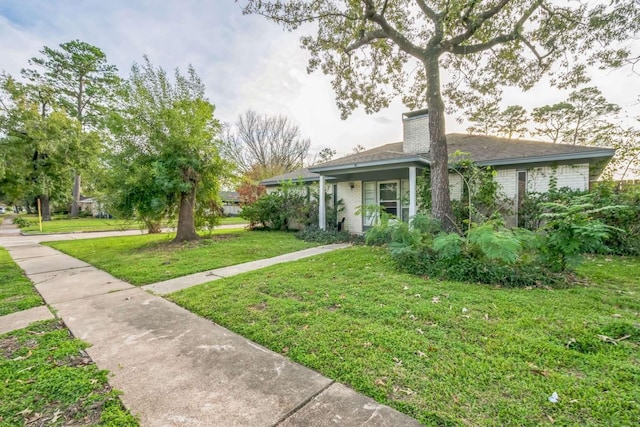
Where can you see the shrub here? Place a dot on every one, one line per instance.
(623, 234)
(21, 222)
(571, 229)
(325, 237)
(291, 206)
(488, 253)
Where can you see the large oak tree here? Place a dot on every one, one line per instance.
(376, 50)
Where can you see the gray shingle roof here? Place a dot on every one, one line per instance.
(301, 174)
(483, 149)
(490, 149)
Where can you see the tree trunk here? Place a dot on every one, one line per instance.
(440, 197)
(186, 224)
(75, 207)
(45, 208)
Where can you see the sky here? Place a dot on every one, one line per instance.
(245, 62)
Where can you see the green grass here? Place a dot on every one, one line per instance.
(233, 220)
(16, 290)
(153, 258)
(67, 225)
(447, 353)
(47, 379)
(63, 224)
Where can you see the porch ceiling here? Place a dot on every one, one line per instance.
(375, 175)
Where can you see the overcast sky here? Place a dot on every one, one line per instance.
(244, 61)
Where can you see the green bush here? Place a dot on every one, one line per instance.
(279, 209)
(623, 224)
(488, 253)
(21, 222)
(325, 237)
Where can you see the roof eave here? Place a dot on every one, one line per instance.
(600, 154)
(375, 163)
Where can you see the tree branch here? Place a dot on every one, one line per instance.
(366, 39)
(431, 14)
(390, 32)
(458, 49)
(474, 24)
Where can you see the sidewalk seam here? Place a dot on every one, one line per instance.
(302, 404)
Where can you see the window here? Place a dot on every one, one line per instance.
(389, 197)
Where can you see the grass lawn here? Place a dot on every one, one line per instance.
(447, 353)
(63, 224)
(16, 291)
(68, 225)
(148, 259)
(47, 379)
(233, 220)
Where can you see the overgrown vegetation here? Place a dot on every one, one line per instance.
(563, 225)
(48, 379)
(623, 237)
(292, 206)
(447, 353)
(325, 237)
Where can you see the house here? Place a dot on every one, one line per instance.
(230, 203)
(386, 175)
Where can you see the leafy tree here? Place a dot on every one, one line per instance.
(42, 146)
(376, 50)
(358, 149)
(512, 121)
(587, 116)
(551, 120)
(165, 151)
(582, 119)
(483, 116)
(265, 146)
(626, 162)
(82, 81)
(327, 154)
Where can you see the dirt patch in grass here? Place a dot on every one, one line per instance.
(49, 380)
(170, 245)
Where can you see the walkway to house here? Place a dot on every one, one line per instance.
(177, 369)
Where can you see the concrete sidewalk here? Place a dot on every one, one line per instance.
(177, 369)
(173, 285)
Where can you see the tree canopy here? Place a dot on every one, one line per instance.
(41, 146)
(82, 83)
(165, 149)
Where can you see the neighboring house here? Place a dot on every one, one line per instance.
(89, 204)
(230, 203)
(386, 175)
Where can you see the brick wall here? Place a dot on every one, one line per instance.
(575, 177)
(415, 132)
(351, 199)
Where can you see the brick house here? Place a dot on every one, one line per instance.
(386, 175)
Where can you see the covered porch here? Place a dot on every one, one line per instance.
(392, 188)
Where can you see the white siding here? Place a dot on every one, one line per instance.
(351, 199)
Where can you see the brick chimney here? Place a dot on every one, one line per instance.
(415, 132)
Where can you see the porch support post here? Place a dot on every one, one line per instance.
(322, 221)
(412, 192)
